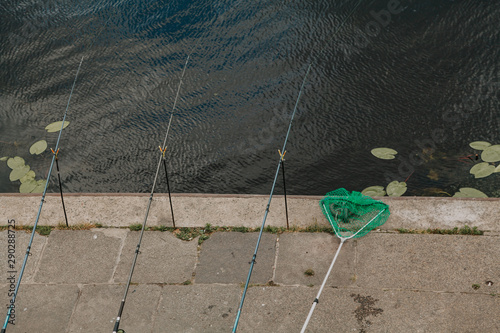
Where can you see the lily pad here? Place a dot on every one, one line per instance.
(15, 162)
(491, 154)
(468, 192)
(396, 189)
(384, 153)
(28, 187)
(374, 191)
(479, 145)
(40, 186)
(19, 173)
(482, 170)
(27, 177)
(38, 147)
(55, 127)
(5, 158)
(497, 169)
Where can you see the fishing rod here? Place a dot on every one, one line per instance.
(21, 272)
(116, 328)
(252, 263)
(54, 158)
(56, 153)
(163, 151)
(162, 148)
(282, 156)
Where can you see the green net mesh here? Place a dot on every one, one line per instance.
(353, 215)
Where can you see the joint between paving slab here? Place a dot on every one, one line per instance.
(196, 263)
(157, 309)
(39, 261)
(273, 276)
(118, 257)
(80, 287)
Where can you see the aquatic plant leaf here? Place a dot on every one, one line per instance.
(491, 154)
(27, 177)
(396, 189)
(479, 145)
(374, 191)
(482, 170)
(19, 172)
(5, 158)
(433, 175)
(55, 127)
(15, 162)
(38, 147)
(384, 153)
(497, 169)
(40, 186)
(469, 192)
(28, 187)
(434, 191)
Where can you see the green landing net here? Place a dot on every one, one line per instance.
(353, 215)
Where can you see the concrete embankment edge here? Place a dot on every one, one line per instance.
(196, 210)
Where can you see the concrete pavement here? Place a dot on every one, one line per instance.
(383, 282)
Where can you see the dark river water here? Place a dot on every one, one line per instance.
(420, 77)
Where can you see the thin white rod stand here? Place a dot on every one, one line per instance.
(315, 302)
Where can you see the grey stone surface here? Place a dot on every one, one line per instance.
(197, 308)
(163, 258)
(40, 308)
(407, 311)
(444, 213)
(80, 256)
(299, 252)
(428, 262)
(98, 307)
(285, 309)
(17, 248)
(225, 258)
(240, 210)
(382, 282)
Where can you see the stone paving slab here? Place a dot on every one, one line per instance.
(225, 257)
(406, 311)
(17, 247)
(98, 307)
(428, 262)
(401, 283)
(284, 309)
(80, 256)
(163, 258)
(197, 308)
(41, 308)
(299, 252)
